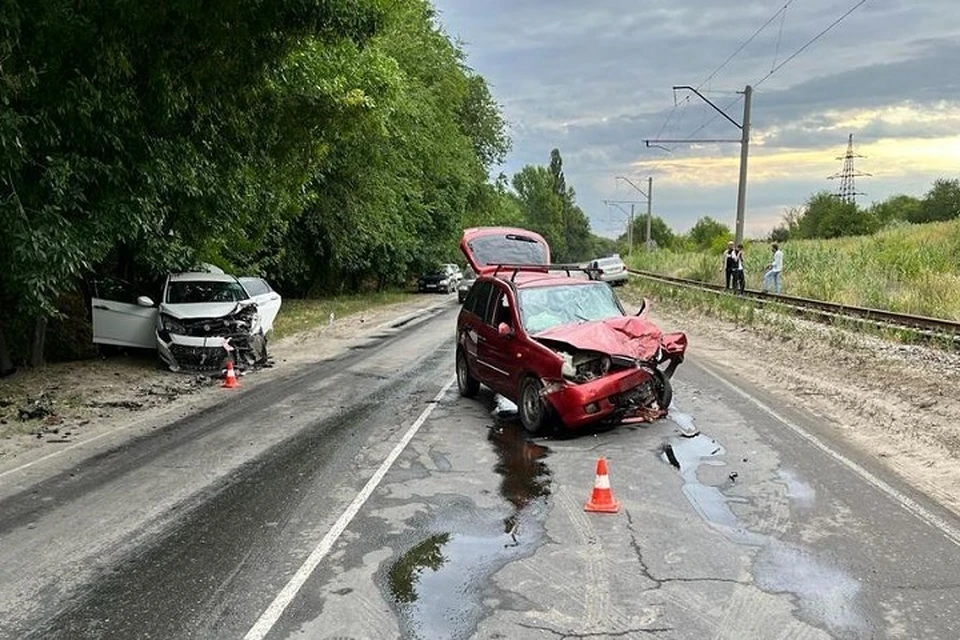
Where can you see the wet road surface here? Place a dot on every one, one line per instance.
(735, 522)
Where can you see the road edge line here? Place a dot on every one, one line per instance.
(271, 615)
(906, 502)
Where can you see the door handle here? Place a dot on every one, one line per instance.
(101, 306)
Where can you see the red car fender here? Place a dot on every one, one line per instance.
(674, 344)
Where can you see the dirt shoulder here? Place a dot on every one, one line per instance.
(895, 402)
(65, 404)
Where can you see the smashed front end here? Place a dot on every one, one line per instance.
(614, 371)
(205, 344)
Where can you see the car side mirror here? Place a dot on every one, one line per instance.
(145, 301)
(504, 330)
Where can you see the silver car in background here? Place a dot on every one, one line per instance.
(611, 270)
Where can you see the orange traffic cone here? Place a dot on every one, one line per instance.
(230, 380)
(601, 501)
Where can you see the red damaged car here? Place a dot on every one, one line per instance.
(555, 342)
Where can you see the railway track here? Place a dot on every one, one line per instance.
(830, 312)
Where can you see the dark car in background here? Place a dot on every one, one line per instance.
(443, 278)
(466, 283)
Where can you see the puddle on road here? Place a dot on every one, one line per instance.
(825, 593)
(437, 585)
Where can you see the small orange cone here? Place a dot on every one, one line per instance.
(230, 380)
(601, 501)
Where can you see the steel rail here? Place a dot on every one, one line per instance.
(935, 327)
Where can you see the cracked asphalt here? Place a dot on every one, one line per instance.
(192, 529)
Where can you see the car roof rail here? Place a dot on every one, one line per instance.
(540, 268)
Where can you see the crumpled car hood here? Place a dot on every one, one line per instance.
(203, 309)
(630, 336)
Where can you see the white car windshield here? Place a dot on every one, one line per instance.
(543, 308)
(197, 291)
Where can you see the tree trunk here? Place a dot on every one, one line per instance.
(39, 342)
(6, 364)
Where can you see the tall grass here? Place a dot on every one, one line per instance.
(906, 268)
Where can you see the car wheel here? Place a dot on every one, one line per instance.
(534, 412)
(664, 390)
(466, 383)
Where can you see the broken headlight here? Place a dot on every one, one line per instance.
(171, 324)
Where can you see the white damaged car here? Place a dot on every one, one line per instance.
(200, 319)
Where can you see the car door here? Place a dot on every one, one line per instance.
(118, 319)
(470, 324)
(268, 301)
(495, 351)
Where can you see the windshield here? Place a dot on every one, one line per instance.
(195, 291)
(543, 308)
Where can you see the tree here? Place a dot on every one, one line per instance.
(827, 216)
(661, 234)
(324, 144)
(706, 231)
(941, 202)
(899, 207)
(549, 208)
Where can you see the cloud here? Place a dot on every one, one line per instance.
(595, 80)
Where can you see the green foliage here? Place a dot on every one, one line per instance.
(827, 216)
(708, 234)
(661, 234)
(326, 145)
(942, 202)
(897, 208)
(906, 268)
(549, 208)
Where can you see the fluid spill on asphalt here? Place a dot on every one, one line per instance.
(437, 586)
(824, 593)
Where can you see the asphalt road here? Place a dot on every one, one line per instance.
(363, 498)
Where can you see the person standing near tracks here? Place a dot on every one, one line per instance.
(730, 264)
(739, 277)
(772, 276)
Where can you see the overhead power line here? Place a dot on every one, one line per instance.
(745, 43)
(810, 42)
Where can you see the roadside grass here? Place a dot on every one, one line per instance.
(904, 268)
(751, 312)
(300, 315)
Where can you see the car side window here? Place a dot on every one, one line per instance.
(500, 310)
(477, 299)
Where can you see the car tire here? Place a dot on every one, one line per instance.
(534, 410)
(664, 390)
(468, 385)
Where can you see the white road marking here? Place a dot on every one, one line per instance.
(270, 617)
(908, 503)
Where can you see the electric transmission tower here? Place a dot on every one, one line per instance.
(848, 190)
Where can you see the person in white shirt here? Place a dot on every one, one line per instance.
(772, 276)
(739, 277)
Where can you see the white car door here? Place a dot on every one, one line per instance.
(268, 301)
(124, 324)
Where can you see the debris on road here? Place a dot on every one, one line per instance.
(36, 408)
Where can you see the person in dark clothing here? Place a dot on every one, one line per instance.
(739, 277)
(730, 264)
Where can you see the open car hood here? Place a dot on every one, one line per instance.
(630, 336)
(204, 309)
(487, 247)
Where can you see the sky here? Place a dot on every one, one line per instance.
(594, 79)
